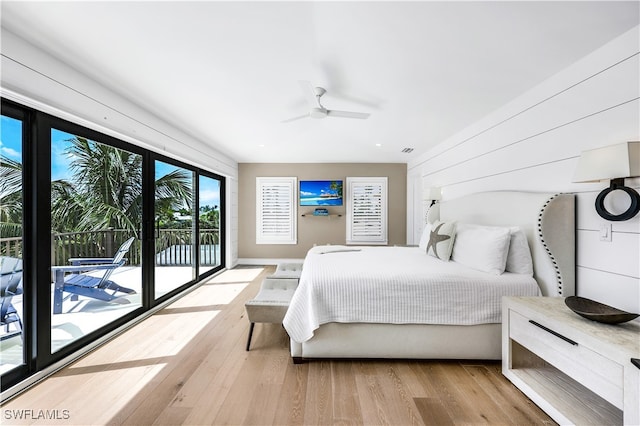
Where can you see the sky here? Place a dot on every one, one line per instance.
(11, 147)
(316, 187)
(11, 138)
(60, 162)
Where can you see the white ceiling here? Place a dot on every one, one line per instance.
(227, 72)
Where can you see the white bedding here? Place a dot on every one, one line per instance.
(397, 285)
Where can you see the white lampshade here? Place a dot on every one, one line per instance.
(610, 162)
(432, 193)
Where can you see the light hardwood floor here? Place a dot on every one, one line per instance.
(188, 365)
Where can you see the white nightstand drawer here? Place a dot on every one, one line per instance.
(602, 375)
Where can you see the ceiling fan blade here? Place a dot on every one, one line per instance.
(309, 93)
(289, 120)
(347, 114)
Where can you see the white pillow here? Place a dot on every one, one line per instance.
(424, 239)
(519, 258)
(480, 247)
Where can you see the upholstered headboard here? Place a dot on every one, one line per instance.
(547, 219)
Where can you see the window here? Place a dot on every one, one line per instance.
(276, 210)
(366, 210)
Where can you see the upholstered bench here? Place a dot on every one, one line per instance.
(288, 270)
(271, 303)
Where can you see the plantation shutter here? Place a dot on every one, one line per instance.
(276, 210)
(366, 210)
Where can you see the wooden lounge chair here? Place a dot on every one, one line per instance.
(97, 287)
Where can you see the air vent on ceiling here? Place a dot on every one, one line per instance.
(407, 150)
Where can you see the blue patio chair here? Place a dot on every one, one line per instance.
(97, 287)
(10, 286)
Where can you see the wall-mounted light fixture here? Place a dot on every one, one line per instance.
(432, 193)
(614, 162)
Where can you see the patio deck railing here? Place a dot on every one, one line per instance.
(173, 246)
(11, 247)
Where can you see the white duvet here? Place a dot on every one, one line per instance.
(397, 285)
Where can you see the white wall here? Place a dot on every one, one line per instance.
(233, 221)
(533, 144)
(34, 78)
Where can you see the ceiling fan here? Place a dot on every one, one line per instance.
(313, 95)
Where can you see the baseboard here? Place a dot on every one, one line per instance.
(264, 261)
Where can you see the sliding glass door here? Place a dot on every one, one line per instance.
(96, 220)
(175, 260)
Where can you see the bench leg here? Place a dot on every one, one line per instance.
(250, 334)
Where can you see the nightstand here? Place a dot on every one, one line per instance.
(578, 371)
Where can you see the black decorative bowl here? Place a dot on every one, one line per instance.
(596, 311)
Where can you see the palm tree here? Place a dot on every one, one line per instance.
(173, 192)
(336, 186)
(10, 197)
(106, 189)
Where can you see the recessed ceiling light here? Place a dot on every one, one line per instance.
(378, 145)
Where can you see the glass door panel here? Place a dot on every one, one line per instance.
(209, 217)
(96, 217)
(174, 227)
(11, 226)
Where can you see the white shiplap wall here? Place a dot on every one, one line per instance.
(533, 144)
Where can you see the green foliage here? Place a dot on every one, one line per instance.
(336, 186)
(106, 190)
(10, 229)
(173, 194)
(10, 197)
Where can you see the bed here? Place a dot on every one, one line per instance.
(347, 303)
